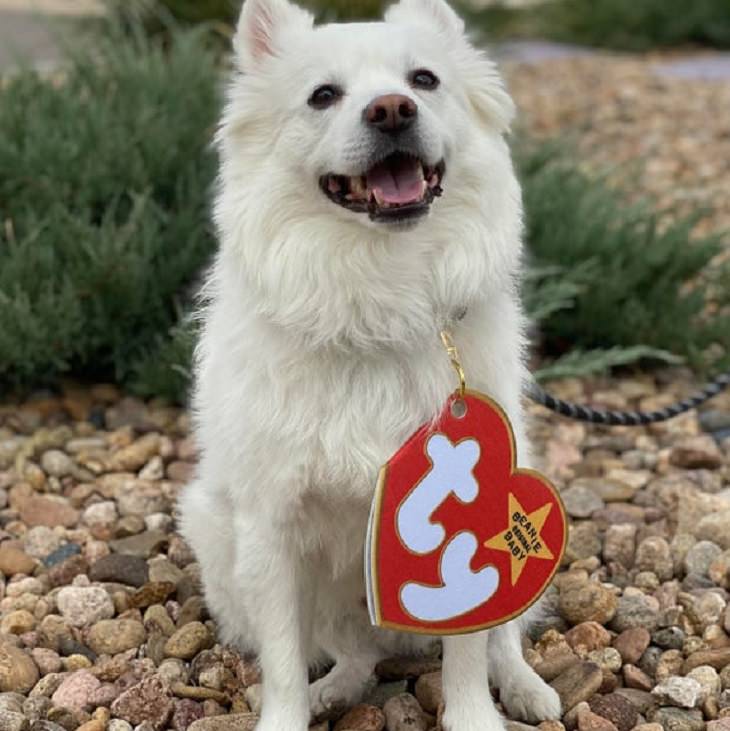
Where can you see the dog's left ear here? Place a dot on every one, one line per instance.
(437, 14)
(259, 27)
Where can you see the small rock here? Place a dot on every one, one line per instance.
(17, 623)
(709, 680)
(47, 660)
(18, 672)
(121, 569)
(589, 721)
(589, 635)
(41, 541)
(635, 609)
(57, 463)
(362, 718)
(403, 713)
(62, 574)
(583, 542)
(232, 722)
(14, 561)
(717, 659)
(48, 512)
(188, 641)
(591, 602)
(653, 554)
(616, 709)
(581, 501)
(636, 678)
(12, 720)
(103, 513)
(669, 638)
(148, 701)
(632, 644)
(620, 544)
(429, 692)
(715, 528)
(76, 690)
(61, 554)
(185, 713)
(700, 556)
(84, 605)
(112, 636)
(680, 692)
(678, 719)
(578, 683)
(694, 453)
(142, 545)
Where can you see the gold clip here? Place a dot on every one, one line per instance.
(453, 353)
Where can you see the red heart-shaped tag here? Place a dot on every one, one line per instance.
(459, 538)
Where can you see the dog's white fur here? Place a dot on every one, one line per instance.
(320, 353)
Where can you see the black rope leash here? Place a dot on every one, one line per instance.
(580, 412)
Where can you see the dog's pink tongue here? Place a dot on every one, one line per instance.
(397, 182)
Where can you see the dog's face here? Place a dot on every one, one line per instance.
(371, 121)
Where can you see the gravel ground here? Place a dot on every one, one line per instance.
(665, 117)
(102, 624)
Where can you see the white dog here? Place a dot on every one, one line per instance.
(340, 262)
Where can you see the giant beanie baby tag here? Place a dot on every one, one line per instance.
(459, 538)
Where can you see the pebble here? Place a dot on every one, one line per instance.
(429, 692)
(61, 554)
(715, 528)
(188, 641)
(112, 636)
(632, 644)
(589, 721)
(76, 690)
(48, 512)
(581, 502)
(14, 561)
(588, 635)
(149, 701)
(142, 545)
(403, 713)
(57, 463)
(578, 683)
(591, 602)
(232, 722)
(84, 605)
(678, 691)
(678, 719)
(693, 453)
(653, 554)
(635, 609)
(700, 556)
(121, 569)
(616, 709)
(362, 718)
(620, 544)
(18, 672)
(41, 541)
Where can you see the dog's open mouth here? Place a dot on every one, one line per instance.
(401, 186)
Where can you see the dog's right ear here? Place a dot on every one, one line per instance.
(259, 27)
(438, 14)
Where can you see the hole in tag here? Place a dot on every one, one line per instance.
(458, 408)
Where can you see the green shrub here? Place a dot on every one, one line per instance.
(105, 177)
(105, 182)
(621, 24)
(608, 274)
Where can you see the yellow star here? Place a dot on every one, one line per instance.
(522, 539)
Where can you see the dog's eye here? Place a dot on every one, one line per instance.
(325, 96)
(424, 79)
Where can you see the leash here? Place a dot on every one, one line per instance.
(580, 412)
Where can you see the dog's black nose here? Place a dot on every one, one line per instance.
(391, 113)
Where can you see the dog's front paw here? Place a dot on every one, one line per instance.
(480, 716)
(333, 694)
(531, 699)
(281, 722)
